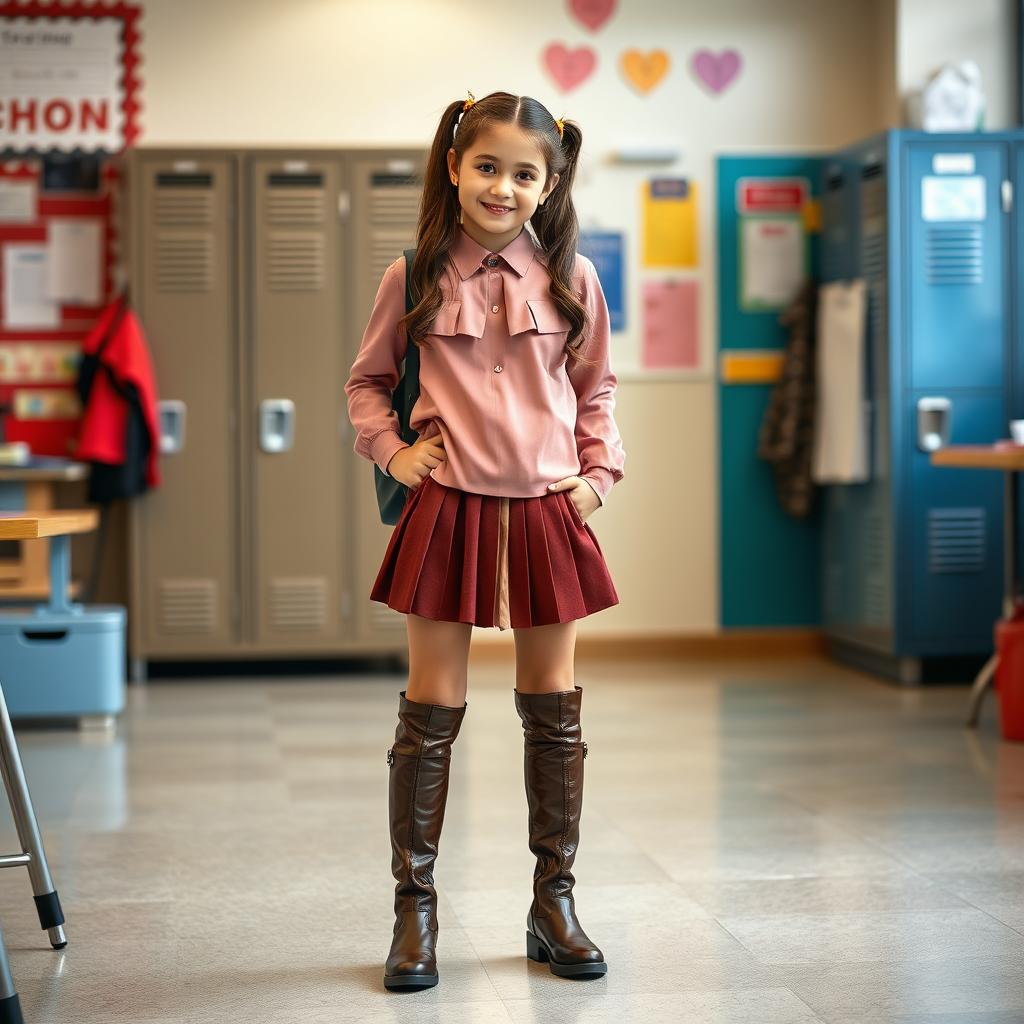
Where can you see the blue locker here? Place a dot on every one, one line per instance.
(913, 557)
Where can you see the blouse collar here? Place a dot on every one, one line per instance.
(468, 255)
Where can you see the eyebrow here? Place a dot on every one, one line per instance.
(488, 156)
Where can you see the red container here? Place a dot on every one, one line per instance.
(1009, 679)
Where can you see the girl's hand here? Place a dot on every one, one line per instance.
(581, 494)
(412, 464)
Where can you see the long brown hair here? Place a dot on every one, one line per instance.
(555, 223)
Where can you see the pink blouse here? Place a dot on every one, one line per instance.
(494, 380)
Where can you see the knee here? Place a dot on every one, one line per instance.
(436, 688)
(544, 682)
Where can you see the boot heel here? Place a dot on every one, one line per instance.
(534, 949)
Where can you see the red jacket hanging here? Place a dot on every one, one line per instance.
(119, 425)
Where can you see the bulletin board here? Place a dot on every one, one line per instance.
(58, 192)
(38, 364)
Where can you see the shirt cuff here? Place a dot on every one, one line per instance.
(600, 479)
(385, 444)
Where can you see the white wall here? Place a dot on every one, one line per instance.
(317, 72)
(931, 32)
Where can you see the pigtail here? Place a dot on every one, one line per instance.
(558, 231)
(437, 225)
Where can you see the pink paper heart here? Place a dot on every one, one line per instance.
(716, 71)
(592, 13)
(569, 67)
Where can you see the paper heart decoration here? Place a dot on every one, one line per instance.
(644, 70)
(592, 13)
(569, 67)
(716, 71)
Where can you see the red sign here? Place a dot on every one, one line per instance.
(771, 195)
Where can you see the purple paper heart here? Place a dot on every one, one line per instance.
(716, 71)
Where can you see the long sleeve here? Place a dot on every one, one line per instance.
(598, 443)
(374, 374)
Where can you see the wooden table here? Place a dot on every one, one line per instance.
(32, 487)
(58, 525)
(1009, 458)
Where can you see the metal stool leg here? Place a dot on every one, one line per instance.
(51, 917)
(10, 1007)
(982, 681)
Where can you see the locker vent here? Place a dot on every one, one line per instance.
(187, 606)
(836, 230)
(872, 255)
(184, 262)
(394, 207)
(296, 261)
(953, 254)
(188, 179)
(288, 206)
(956, 540)
(279, 179)
(298, 604)
(174, 209)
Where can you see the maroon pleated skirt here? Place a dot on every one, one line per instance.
(456, 556)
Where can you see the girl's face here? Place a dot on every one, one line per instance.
(501, 182)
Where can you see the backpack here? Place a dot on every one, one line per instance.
(392, 494)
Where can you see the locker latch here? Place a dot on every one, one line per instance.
(1007, 193)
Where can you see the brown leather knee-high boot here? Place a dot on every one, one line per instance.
(553, 767)
(417, 791)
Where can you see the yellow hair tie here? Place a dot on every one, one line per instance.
(469, 102)
(560, 125)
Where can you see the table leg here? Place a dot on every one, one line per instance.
(60, 573)
(981, 683)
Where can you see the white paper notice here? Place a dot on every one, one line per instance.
(26, 303)
(772, 260)
(953, 198)
(17, 202)
(75, 260)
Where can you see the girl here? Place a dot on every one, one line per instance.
(517, 447)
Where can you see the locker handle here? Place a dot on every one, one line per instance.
(171, 414)
(934, 422)
(277, 425)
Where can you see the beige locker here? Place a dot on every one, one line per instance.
(295, 355)
(185, 543)
(254, 272)
(385, 200)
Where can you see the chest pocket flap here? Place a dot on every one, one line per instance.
(458, 317)
(547, 317)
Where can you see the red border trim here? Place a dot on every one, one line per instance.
(129, 14)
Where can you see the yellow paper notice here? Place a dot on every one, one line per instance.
(670, 222)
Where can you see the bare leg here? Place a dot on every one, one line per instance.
(438, 658)
(544, 658)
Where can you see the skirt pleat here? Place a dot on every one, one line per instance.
(493, 561)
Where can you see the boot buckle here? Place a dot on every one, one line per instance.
(391, 757)
(584, 750)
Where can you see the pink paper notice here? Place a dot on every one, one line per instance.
(671, 325)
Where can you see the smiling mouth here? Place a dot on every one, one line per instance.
(497, 209)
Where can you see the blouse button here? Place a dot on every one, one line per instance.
(492, 261)
(494, 309)
(497, 369)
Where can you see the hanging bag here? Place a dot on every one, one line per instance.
(391, 493)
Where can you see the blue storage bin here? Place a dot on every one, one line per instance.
(63, 664)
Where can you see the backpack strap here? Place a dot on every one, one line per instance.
(410, 378)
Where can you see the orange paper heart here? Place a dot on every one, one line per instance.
(644, 70)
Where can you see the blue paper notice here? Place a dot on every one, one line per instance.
(604, 248)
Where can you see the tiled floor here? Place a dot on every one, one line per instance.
(773, 844)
